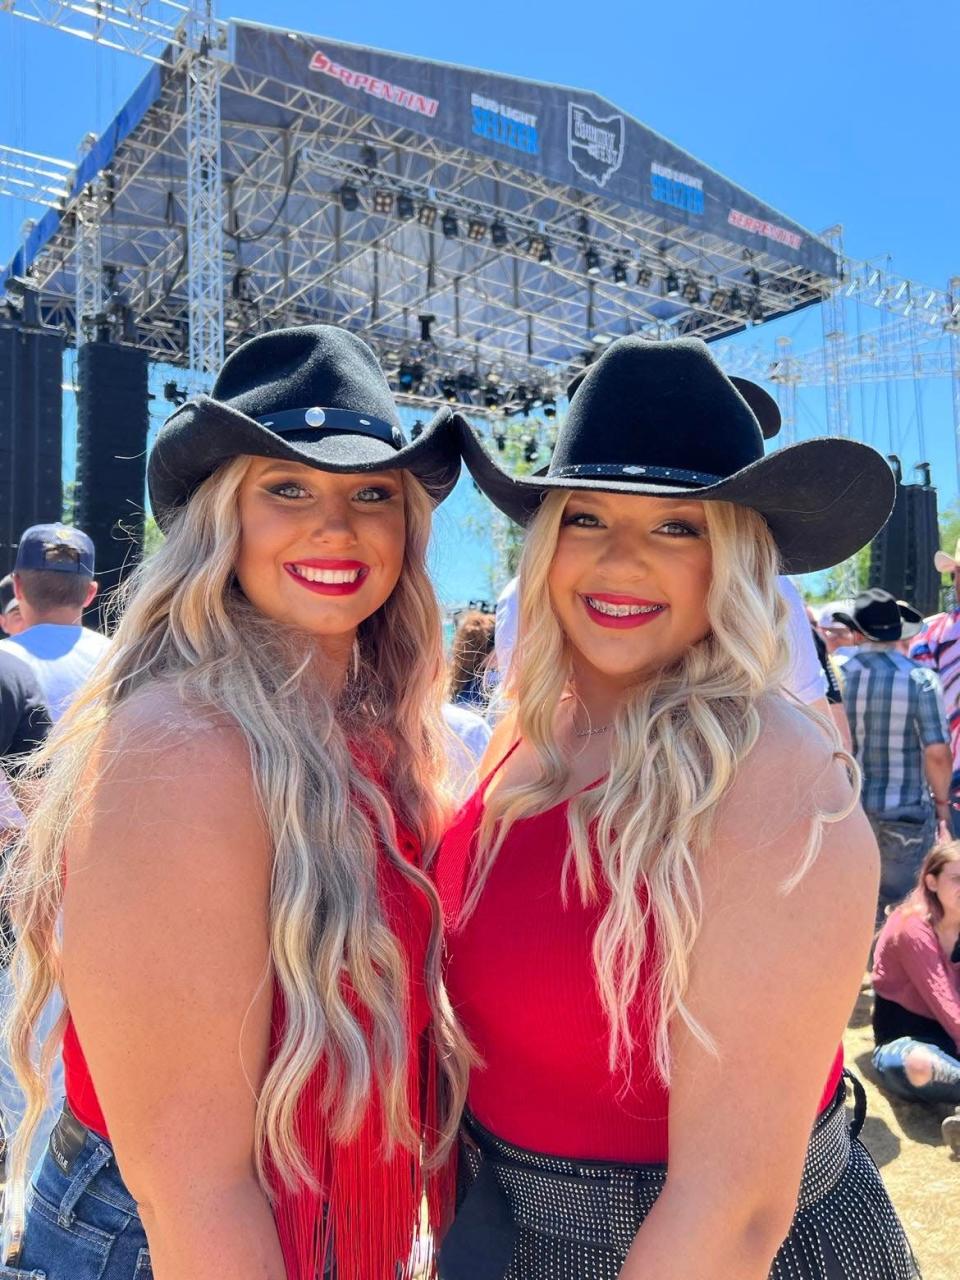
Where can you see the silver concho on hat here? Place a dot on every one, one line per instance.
(314, 417)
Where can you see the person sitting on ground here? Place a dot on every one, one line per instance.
(54, 583)
(11, 619)
(900, 741)
(916, 983)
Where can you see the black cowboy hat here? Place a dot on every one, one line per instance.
(662, 419)
(879, 616)
(313, 394)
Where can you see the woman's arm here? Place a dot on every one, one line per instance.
(167, 976)
(921, 961)
(773, 980)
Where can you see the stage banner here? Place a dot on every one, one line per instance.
(566, 135)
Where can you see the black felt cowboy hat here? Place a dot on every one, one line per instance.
(879, 616)
(662, 419)
(314, 394)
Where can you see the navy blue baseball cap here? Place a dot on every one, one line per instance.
(59, 547)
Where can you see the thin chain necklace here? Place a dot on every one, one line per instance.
(590, 733)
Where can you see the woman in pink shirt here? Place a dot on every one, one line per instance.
(916, 981)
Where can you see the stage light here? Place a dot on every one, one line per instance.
(448, 388)
(491, 395)
(368, 157)
(349, 197)
(382, 201)
(538, 247)
(644, 276)
(405, 205)
(427, 215)
(416, 431)
(718, 299)
(753, 277)
(591, 261)
(671, 284)
(498, 233)
(756, 311)
(549, 407)
(736, 301)
(405, 376)
(449, 226)
(476, 229)
(619, 271)
(425, 323)
(467, 382)
(530, 450)
(691, 290)
(500, 438)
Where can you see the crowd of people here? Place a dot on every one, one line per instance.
(311, 926)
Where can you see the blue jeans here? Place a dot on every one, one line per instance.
(888, 1060)
(903, 843)
(81, 1224)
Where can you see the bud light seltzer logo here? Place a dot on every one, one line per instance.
(594, 146)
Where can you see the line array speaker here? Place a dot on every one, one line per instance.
(31, 432)
(112, 421)
(901, 555)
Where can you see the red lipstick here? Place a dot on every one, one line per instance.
(348, 588)
(622, 622)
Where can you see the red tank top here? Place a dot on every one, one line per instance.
(366, 1212)
(520, 974)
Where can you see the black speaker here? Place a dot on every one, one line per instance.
(112, 421)
(31, 404)
(901, 555)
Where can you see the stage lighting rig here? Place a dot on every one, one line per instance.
(476, 229)
(498, 233)
(531, 451)
(671, 283)
(619, 271)
(644, 276)
(383, 201)
(174, 394)
(718, 297)
(538, 247)
(691, 290)
(448, 389)
(449, 225)
(753, 277)
(491, 395)
(426, 322)
(427, 215)
(591, 261)
(349, 197)
(549, 407)
(757, 315)
(736, 301)
(416, 431)
(406, 207)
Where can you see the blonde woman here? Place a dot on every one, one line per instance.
(233, 822)
(660, 901)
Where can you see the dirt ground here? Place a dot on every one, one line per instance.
(921, 1174)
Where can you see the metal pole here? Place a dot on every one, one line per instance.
(89, 265)
(954, 330)
(834, 336)
(204, 195)
(786, 381)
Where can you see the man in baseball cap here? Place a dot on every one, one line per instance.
(53, 582)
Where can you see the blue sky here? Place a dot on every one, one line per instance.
(831, 112)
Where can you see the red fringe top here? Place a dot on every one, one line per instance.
(366, 1217)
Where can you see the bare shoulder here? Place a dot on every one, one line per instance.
(788, 780)
(166, 771)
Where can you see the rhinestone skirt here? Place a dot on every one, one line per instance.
(576, 1221)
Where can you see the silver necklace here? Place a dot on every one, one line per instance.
(590, 733)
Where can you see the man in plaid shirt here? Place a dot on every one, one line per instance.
(900, 740)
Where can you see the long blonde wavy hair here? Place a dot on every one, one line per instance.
(679, 740)
(185, 623)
